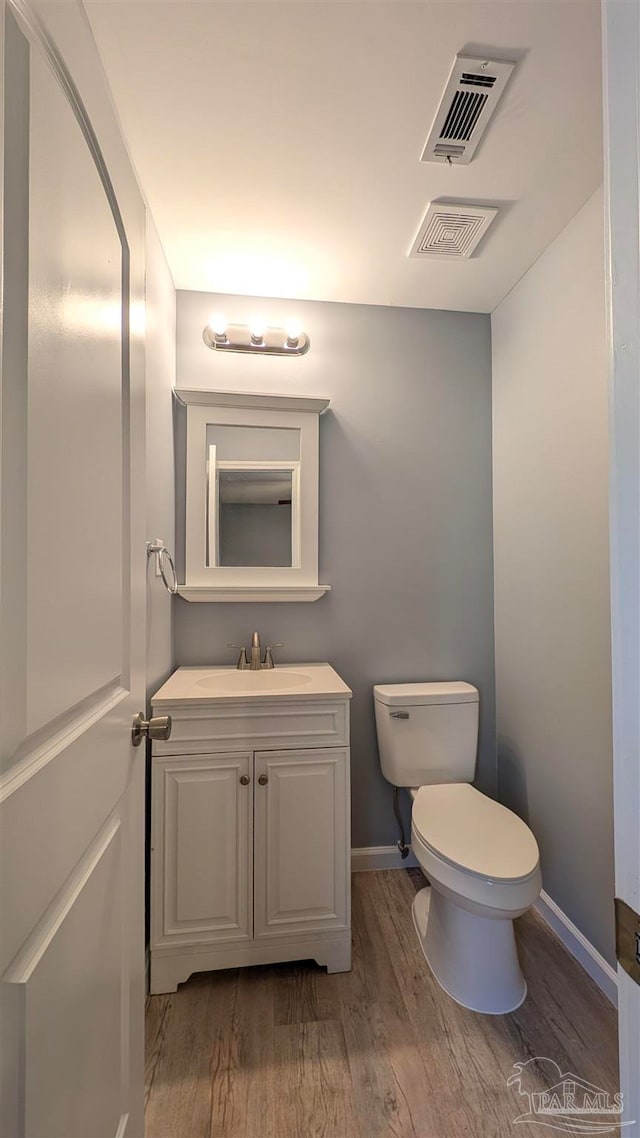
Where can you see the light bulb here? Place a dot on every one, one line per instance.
(257, 328)
(293, 329)
(218, 325)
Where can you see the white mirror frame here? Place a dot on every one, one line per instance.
(251, 583)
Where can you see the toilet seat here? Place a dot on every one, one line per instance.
(473, 833)
(483, 895)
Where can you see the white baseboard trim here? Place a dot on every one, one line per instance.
(579, 947)
(380, 857)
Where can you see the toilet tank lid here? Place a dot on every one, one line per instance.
(413, 695)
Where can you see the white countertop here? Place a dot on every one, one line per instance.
(297, 682)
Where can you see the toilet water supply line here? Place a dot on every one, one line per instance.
(401, 844)
(158, 549)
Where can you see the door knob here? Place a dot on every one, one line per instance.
(157, 728)
(263, 779)
(244, 780)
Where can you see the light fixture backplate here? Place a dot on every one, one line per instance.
(274, 342)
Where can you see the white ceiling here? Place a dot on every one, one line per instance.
(278, 144)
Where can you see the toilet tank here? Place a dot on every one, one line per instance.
(427, 733)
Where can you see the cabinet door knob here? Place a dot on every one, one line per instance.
(263, 779)
(244, 780)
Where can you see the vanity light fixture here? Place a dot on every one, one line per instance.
(256, 337)
(257, 329)
(218, 327)
(293, 328)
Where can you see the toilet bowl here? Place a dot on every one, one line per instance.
(480, 858)
(483, 867)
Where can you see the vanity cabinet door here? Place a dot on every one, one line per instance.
(201, 855)
(301, 878)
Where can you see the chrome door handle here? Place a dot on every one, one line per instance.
(399, 714)
(157, 728)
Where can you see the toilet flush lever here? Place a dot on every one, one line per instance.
(399, 714)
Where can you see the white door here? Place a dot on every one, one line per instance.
(71, 614)
(202, 849)
(621, 58)
(301, 841)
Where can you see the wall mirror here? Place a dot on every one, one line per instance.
(253, 514)
(251, 490)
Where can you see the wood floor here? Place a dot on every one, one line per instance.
(287, 1051)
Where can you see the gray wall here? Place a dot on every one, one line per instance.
(553, 671)
(405, 510)
(160, 370)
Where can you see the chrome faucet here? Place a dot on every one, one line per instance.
(256, 664)
(242, 658)
(268, 658)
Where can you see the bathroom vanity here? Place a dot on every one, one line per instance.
(250, 842)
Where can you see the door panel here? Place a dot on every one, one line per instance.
(75, 415)
(71, 606)
(202, 848)
(52, 806)
(68, 972)
(300, 840)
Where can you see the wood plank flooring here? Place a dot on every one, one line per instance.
(287, 1051)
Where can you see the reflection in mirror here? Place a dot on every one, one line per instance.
(254, 517)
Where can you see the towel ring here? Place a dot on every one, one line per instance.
(159, 550)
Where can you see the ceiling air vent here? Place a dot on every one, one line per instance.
(451, 231)
(470, 98)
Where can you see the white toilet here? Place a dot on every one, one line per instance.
(481, 859)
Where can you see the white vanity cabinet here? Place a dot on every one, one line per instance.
(300, 851)
(202, 827)
(250, 834)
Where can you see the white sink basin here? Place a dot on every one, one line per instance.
(253, 683)
(231, 685)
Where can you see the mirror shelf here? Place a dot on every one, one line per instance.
(200, 397)
(242, 595)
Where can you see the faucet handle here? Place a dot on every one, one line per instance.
(242, 659)
(268, 658)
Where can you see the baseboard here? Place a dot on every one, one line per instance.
(380, 857)
(579, 947)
